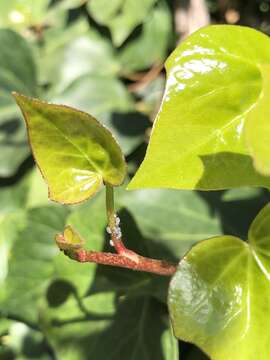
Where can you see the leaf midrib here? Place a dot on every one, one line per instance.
(79, 150)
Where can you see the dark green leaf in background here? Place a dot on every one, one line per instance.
(130, 329)
(120, 16)
(17, 73)
(152, 45)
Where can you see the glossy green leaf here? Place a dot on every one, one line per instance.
(120, 16)
(17, 73)
(218, 298)
(258, 129)
(135, 329)
(73, 151)
(214, 80)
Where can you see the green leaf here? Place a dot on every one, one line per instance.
(35, 264)
(26, 342)
(52, 55)
(155, 223)
(171, 221)
(120, 16)
(151, 46)
(135, 329)
(257, 129)
(128, 127)
(214, 80)
(74, 160)
(218, 298)
(17, 73)
(79, 52)
(98, 95)
(69, 240)
(10, 225)
(31, 265)
(37, 193)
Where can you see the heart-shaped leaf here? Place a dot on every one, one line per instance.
(219, 296)
(214, 80)
(74, 152)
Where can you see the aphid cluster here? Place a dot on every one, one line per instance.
(116, 231)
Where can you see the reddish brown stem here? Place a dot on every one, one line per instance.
(140, 264)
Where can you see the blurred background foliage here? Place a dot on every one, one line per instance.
(106, 58)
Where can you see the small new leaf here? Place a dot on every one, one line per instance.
(74, 152)
(69, 240)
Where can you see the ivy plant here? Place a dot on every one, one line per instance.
(211, 133)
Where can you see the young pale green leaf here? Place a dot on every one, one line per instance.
(214, 81)
(218, 298)
(74, 152)
(69, 240)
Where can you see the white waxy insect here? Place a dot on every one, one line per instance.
(108, 230)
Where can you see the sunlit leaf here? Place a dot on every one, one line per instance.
(258, 128)
(213, 82)
(73, 151)
(218, 298)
